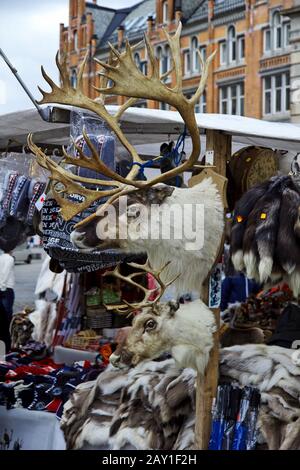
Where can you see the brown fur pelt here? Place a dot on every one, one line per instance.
(21, 329)
(261, 311)
(232, 336)
(151, 406)
(265, 238)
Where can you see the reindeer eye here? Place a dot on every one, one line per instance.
(150, 325)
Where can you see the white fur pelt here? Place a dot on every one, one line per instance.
(152, 405)
(193, 265)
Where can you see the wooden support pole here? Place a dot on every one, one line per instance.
(220, 144)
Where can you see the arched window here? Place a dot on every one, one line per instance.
(75, 40)
(167, 60)
(137, 60)
(232, 43)
(73, 78)
(159, 53)
(277, 30)
(165, 11)
(195, 56)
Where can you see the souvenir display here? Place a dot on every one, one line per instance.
(19, 194)
(120, 359)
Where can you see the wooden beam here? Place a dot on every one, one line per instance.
(206, 390)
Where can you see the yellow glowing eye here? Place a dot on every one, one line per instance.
(248, 159)
(263, 215)
(239, 218)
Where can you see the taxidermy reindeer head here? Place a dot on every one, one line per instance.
(127, 80)
(184, 330)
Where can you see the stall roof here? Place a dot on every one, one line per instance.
(157, 124)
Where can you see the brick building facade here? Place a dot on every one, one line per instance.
(250, 74)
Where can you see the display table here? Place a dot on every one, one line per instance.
(30, 430)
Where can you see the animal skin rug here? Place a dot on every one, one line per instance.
(152, 405)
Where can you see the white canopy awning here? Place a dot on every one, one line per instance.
(158, 126)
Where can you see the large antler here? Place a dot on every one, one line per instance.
(128, 81)
(126, 307)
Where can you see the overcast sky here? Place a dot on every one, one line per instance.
(29, 36)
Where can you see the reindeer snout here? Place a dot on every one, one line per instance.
(114, 359)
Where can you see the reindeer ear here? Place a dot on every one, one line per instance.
(174, 306)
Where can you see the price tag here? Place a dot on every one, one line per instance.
(209, 157)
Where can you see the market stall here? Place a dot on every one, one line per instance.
(70, 236)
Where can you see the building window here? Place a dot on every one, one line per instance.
(195, 56)
(187, 62)
(267, 39)
(232, 44)
(233, 49)
(144, 67)
(164, 106)
(286, 33)
(73, 79)
(137, 60)
(232, 99)
(200, 107)
(165, 11)
(276, 37)
(241, 47)
(223, 53)
(276, 89)
(202, 50)
(159, 53)
(277, 27)
(167, 60)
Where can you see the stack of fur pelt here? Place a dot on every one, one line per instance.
(152, 405)
(265, 238)
(148, 407)
(275, 371)
(261, 311)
